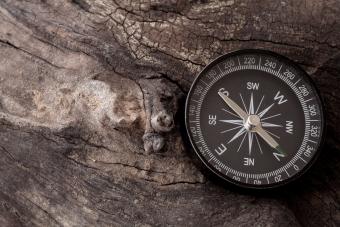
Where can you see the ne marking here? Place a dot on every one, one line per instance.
(279, 69)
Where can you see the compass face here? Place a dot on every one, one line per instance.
(255, 119)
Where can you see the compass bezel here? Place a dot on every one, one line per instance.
(304, 75)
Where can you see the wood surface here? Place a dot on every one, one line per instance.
(92, 99)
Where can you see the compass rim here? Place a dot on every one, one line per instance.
(317, 94)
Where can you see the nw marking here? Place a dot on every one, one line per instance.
(289, 127)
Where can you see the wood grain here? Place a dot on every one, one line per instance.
(92, 106)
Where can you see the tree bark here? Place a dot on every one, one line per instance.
(92, 106)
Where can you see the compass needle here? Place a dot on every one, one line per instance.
(230, 112)
(254, 119)
(236, 108)
(273, 134)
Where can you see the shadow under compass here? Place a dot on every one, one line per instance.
(315, 197)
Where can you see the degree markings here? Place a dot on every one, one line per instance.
(311, 141)
(297, 92)
(204, 82)
(287, 173)
(302, 159)
(218, 66)
(297, 82)
(202, 99)
(303, 103)
(260, 62)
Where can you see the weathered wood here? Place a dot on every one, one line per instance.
(91, 96)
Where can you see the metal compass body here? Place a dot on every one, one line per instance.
(255, 118)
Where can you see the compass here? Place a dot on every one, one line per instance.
(255, 119)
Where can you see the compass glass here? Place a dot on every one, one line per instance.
(255, 118)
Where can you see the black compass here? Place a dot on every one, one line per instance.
(255, 119)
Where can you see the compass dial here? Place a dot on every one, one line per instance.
(255, 118)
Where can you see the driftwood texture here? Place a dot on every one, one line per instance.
(91, 104)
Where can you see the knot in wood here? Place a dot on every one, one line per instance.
(162, 121)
